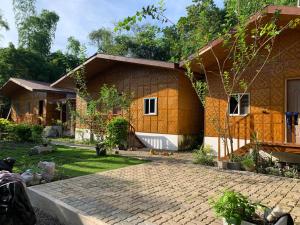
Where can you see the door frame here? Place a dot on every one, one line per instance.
(285, 103)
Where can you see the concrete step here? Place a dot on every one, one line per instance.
(66, 214)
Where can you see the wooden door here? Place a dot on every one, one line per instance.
(293, 105)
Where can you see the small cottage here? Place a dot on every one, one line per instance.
(37, 102)
(166, 112)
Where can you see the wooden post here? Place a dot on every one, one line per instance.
(245, 129)
(293, 129)
(238, 135)
(272, 128)
(219, 148)
(263, 127)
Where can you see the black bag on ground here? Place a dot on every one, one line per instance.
(15, 206)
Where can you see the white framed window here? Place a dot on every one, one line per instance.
(239, 104)
(150, 106)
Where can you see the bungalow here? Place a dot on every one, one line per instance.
(274, 94)
(166, 112)
(36, 102)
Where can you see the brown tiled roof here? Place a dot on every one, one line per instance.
(31, 85)
(104, 59)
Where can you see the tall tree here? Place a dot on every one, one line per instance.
(37, 32)
(103, 39)
(23, 9)
(73, 46)
(22, 63)
(3, 22)
(240, 10)
(203, 23)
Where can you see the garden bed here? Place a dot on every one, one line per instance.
(70, 162)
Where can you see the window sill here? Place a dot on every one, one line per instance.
(238, 115)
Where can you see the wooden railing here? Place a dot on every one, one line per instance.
(270, 128)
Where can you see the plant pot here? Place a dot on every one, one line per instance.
(281, 165)
(223, 165)
(100, 151)
(249, 168)
(234, 165)
(243, 223)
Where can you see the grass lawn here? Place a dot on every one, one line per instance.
(70, 162)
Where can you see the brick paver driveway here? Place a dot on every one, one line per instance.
(168, 192)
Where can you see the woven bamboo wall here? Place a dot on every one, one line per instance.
(28, 106)
(143, 82)
(267, 94)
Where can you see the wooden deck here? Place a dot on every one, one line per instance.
(270, 129)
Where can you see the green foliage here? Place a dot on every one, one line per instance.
(36, 133)
(37, 32)
(3, 23)
(204, 156)
(26, 64)
(22, 132)
(236, 158)
(74, 46)
(99, 108)
(4, 125)
(234, 207)
(291, 173)
(23, 9)
(117, 132)
(248, 162)
(145, 41)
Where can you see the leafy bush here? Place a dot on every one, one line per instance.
(204, 156)
(36, 133)
(234, 207)
(22, 132)
(248, 162)
(117, 132)
(4, 125)
(236, 158)
(25, 132)
(291, 173)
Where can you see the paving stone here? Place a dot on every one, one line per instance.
(169, 190)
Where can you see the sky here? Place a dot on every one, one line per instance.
(79, 17)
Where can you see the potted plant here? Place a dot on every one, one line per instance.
(248, 163)
(222, 164)
(234, 208)
(101, 148)
(235, 162)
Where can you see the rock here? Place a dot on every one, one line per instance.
(48, 170)
(31, 178)
(52, 131)
(36, 150)
(27, 177)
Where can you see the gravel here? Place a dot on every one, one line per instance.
(45, 219)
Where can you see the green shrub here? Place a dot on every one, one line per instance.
(204, 156)
(234, 207)
(117, 132)
(4, 125)
(22, 132)
(36, 133)
(248, 163)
